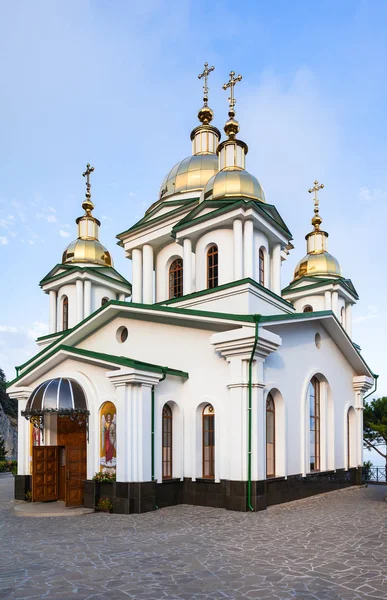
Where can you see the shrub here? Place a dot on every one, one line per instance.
(28, 496)
(367, 464)
(104, 477)
(8, 466)
(104, 504)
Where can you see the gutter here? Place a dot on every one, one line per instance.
(376, 377)
(249, 505)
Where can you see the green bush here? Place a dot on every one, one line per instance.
(104, 477)
(104, 504)
(8, 466)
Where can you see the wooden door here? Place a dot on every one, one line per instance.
(75, 474)
(44, 473)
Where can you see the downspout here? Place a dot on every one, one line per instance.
(153, 428)
(249, 505)
(376, 377)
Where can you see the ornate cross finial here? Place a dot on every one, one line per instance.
(88, 205)
(231, 84)
(205, 74)
(317, 220)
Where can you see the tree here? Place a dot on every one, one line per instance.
(375, 426)
(9, 404)
(3, 452)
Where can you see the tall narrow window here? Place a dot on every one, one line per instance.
(308, 308)
(314, 413)
(167, 442)
(261, 267)
(176, 279)
(65, 313)
(270, 436)
(104, 301)
(342, 316)
(209, 442)
(212, 267)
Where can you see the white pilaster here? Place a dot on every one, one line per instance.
(122, 297)
(137, 275)
(248, 247)
(238, 249)
(187, 267)
(87, 298)
(360, 385)
(123, 437)
(147, 258)
(23, 427)
(79, 288)
(348, 319)
(276, 269)
(53, 311)
(335, 304)
(328, 300)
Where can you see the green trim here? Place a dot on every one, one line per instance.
(53, 335)
(111, 358)
(346, 283)
(225, 286)
(92, 270)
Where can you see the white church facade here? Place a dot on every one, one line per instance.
(204, 381)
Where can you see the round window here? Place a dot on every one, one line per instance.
(122, 334)
(317, 340)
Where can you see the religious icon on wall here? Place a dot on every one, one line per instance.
(108, 438)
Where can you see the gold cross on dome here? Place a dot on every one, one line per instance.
(231, 84)
(87, 174)
(317, 186)
(205, 74)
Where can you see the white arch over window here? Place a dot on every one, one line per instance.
(326, 425)
(280, 431)
(164, 259)
(199, 439)
(177, 436)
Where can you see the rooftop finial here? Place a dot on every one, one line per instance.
(231, 84)
(87, 204)
(205, 74)
(317, 220)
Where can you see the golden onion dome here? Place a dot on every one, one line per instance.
(190, 174)
(319, 265)
(87, 251)
(233, 183)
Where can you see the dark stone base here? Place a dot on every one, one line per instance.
(130, 498)
(23, 484)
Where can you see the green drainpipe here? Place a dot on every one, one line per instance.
(249, 505)
(153, 427)
(376, 377)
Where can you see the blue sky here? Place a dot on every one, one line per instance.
(115, 84)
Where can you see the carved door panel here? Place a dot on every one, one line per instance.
(75, 474)
(44, 473)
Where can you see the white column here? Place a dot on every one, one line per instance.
(87, 298)
(137, 275)
(348, 319)
(122, 297)
(328, 300)
(53, 311)
(79, 288)
(335, 303)
(147, 264)
(187, 267)
(238, 249)
(123, 433)
(23, 438)
(248, 249)
(276, 269)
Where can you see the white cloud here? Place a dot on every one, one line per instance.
(3, 240)
(63, 233)
(367, 194)
(8, 329)
(38, 329)
(51, 219)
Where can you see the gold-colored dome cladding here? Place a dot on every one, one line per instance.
(319, 264)
(233, 183)
(205, 115)
(192, 173)
(87, 251)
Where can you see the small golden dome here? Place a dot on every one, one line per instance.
(318, 264)
(205, 115)
(231, 183)
(87, 251)
(190, 174)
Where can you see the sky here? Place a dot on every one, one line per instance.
(114, 83)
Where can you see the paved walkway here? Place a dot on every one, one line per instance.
(330, 547)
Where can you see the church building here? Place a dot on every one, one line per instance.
(205, 380)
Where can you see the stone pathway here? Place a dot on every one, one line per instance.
(330, 547)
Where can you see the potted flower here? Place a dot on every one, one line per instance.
(104, 505)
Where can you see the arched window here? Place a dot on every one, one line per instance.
(212, 267)
(167, 442)
(308, 308)
(65, 313)
(270, 436)
(342, 316)
(261, 267)
(314, 413)
(176, 279)
(209, 442)
(104, 301)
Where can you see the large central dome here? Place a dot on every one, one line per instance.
(190, 174)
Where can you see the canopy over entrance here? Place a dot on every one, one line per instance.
(61, 396)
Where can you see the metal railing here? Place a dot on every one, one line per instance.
(375, 474)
